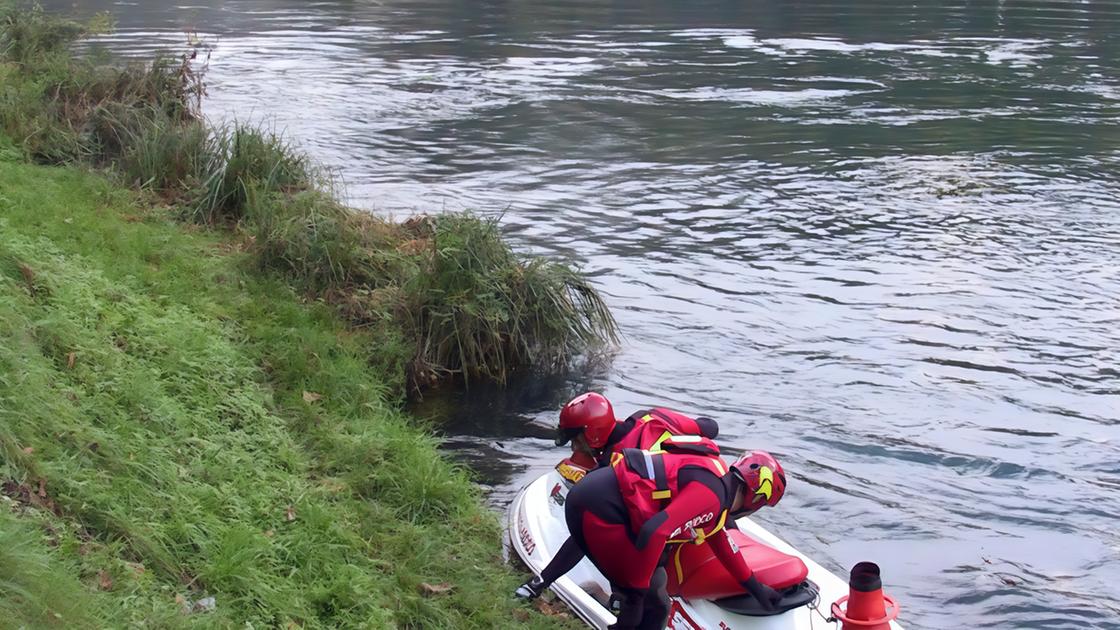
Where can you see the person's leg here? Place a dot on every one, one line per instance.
(655, 606)
(628, 616)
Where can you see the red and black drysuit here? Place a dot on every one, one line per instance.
(644, 430)
(625, 518)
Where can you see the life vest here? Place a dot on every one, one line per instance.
(575, 467)
(654, 426)
(647, 480)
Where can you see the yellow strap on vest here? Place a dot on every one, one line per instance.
(647, 418)
(571, 473)
(616, 457)
(677, 563)
(718, 463)
(701, 535)
(656, 448)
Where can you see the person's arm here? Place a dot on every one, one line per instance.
(727, 552)
(707, 427)
(566, 558)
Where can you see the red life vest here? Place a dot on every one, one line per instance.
(654, 426)
(647, 480)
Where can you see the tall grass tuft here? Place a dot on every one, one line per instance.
(28, 34)
(246, 160)
(167, 157)
(478, 309)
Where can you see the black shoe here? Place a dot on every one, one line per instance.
(530, 590)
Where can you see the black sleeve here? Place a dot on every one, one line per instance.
(566, 558)
(708, 428)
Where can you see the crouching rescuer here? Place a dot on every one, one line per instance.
(588, 422)
(627, 518)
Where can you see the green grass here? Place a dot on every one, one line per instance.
(39, 586)
(157, 444)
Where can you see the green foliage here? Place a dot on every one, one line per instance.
(166, 156)
(308, 236)
(38, 587)
(27, 34)
(183, 427)
(60, 108)
(8, 151)
(246, 160)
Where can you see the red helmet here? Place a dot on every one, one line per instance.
(590, 414)
(764, 479)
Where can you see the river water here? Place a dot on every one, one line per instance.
(880, 239)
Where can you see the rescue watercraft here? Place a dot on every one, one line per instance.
(703, 595)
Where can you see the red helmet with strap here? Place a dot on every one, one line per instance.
(590, 414)
(763, 477)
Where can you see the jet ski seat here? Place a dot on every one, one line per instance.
(694, 571)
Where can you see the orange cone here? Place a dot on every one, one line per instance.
(867, 607)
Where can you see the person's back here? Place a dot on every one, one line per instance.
(649, 428)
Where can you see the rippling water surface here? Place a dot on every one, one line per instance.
(880, 239)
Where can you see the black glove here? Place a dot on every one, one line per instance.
(531, 589)
(767, 597)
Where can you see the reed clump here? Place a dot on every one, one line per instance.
(469, 305)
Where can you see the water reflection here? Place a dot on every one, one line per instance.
(878, 239)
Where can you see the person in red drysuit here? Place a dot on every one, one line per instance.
(588, 421)
(624, 518)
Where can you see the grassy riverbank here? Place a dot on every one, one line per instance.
(175, 425)
(202, 357)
